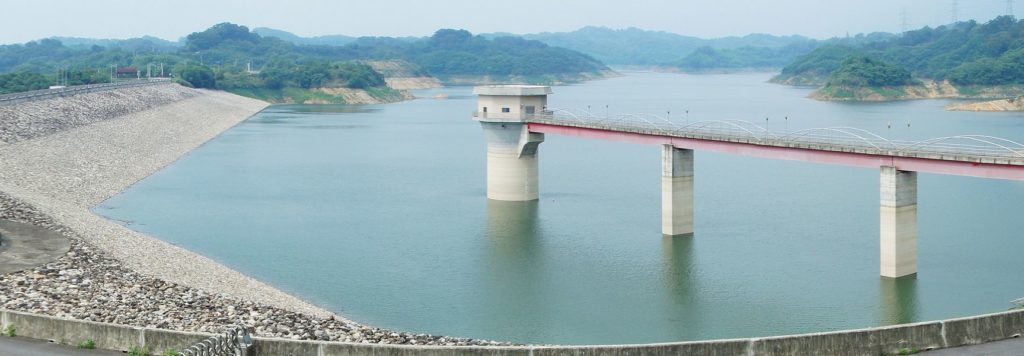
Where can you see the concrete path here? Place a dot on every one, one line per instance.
(19, 346)
(1007, 347)
(24, 246)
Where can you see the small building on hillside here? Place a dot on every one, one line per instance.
(128, 72)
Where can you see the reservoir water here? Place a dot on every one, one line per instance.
(379, 213)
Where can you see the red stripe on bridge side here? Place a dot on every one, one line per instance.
(982, 170)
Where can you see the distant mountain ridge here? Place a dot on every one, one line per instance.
(148, 43)
(634, 46)
(630, 46)
(326, 40)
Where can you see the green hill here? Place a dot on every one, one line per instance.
(220, 56)
(329, 40)
(965, 54)
(633, 46)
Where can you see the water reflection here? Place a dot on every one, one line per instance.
(320, 109)
(515, 268)
(512, 226)
(899, 300)
(680, 277)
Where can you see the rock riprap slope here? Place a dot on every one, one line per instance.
(59, 159)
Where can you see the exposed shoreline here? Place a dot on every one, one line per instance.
(55, 178)
(1002, 105)
(925, 89)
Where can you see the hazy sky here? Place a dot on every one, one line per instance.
(171, 19)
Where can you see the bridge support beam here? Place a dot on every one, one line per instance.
(512, 173)
(898, 222)
(676, 191)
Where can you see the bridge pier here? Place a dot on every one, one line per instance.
(502, 110)
(676, 191)
(898, 222)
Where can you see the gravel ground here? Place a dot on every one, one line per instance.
(114, 274)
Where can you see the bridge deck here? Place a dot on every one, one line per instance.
(984, 156)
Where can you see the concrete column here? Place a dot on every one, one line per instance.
(676, 191)
(898, 222)
(512, 173)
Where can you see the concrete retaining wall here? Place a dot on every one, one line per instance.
(889, 340)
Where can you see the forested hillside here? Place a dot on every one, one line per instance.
(965, 53)
(758, 58)
(633, 46)
(765, 57)
(328, 40)
(221, 56)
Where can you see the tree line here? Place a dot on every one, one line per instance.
(221, 56)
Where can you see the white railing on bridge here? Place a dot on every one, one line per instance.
(967, 148)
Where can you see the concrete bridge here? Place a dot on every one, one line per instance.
(515, 119)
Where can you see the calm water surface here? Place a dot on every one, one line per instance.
(379, 213)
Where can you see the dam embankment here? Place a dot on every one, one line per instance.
(63, 155)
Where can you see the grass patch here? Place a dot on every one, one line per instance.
(909, 351)
(383, 93)
(969, 90)
(287, 95)
(87, 344)
(889, 92)
(10, 330)
(138, 350)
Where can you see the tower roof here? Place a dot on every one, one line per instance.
(512, 90)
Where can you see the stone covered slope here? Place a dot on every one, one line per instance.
(115, 274)
(32, 119)
(87, 284)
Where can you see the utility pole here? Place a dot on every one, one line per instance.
(903, 20)
(1009, 7)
